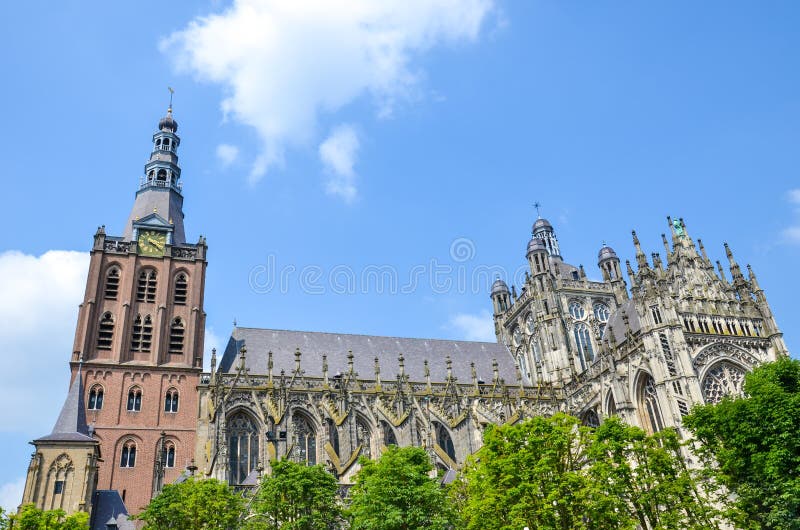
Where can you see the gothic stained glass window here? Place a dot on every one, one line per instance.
(649, 411)
(590, 419)
(242, 446)
(305, 440)
(134, 400)
(363, 436)
(584, 343)
(601, 312)
(723, 379)
(576, 310)
(389, 437)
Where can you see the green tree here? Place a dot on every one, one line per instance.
(296, 497)
(555, 473)
(534, 474)
(396, 492)
(194, 504)
(30, 517)
(649, 475)
(752, 445)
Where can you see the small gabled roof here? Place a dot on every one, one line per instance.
(71, 424)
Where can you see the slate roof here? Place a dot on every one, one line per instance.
(107, 506)
(365, 348)
(616, 323)
(71, 424)
(164, 201)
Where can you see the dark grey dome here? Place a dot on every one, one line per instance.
(541, 224)
(168, 123)
(606, 253)
(499, 286)
(536, 244)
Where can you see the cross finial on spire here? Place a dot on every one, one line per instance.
(538, 205)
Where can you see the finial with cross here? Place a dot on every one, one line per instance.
(537, 205)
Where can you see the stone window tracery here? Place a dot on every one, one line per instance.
(389, 437)
(601, 312)
(649, 410)
(305, 440)
(577, 310)
(444, 440)
(242, 446)
(722, 379)
(584, 343)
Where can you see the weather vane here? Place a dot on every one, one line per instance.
(537, 205)
(171, 91)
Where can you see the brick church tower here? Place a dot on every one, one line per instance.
(140, 335)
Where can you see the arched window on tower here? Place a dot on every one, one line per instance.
(112, 284)
(169, 453)
(443, 440)
(171, 401)
(305, 440)
(146, 287)
(161, 176)
(142, 334)
(583, 341)
(242, 446)
(649, 411)
(176, 333)
(105, 332)
(181, 289)
(134, 399)
(128, 456)
(96, 398)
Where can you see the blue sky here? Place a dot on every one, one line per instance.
(326, 143)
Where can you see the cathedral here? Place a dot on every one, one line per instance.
(141, 412)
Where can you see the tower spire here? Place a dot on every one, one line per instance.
(159, 199)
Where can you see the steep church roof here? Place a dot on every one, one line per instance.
(365, 348)
(71, 424)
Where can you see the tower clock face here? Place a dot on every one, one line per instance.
(152, 243)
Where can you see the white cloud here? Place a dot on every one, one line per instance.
(283, 63)
(38, 312)
(794, 196)
(338, 154)
(478, 327)
(11, 494)
(227, 154)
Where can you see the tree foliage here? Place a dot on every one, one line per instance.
(296, 497)
(396, 492)
(193, 504)
(555, 473)
(752, 445)
(30, 517)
